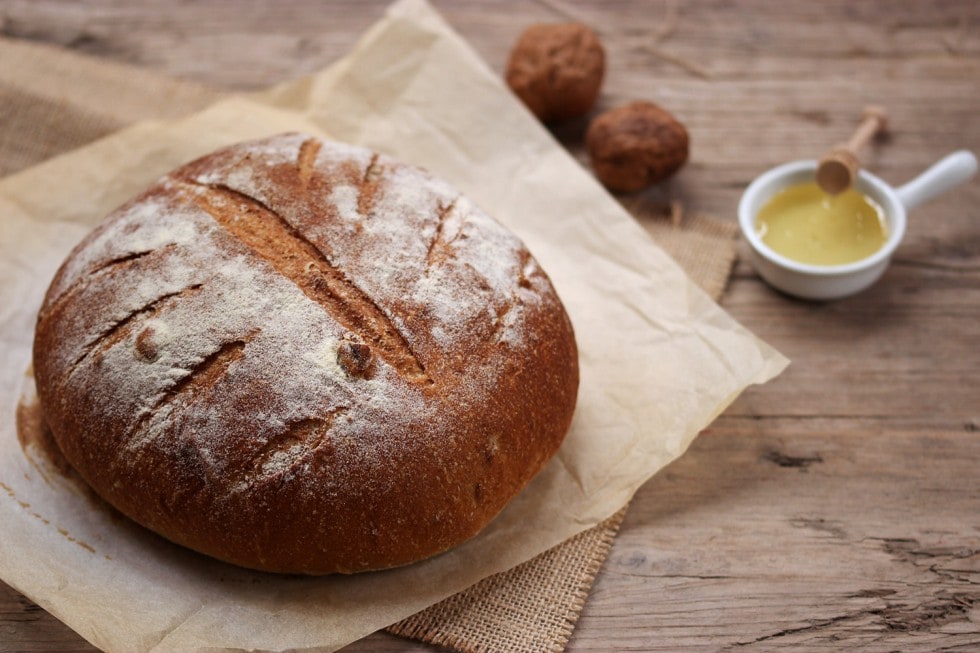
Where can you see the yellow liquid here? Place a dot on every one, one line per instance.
(808, 225)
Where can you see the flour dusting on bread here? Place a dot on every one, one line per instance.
(309, 332)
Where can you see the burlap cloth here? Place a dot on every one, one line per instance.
(52, 101)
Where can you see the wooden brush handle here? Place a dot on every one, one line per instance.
(839, 167)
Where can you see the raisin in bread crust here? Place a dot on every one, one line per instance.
(301, 356)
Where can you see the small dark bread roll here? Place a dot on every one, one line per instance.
(300, 356)
(556, 69)
(636, 145)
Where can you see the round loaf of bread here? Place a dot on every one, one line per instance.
(301, 356)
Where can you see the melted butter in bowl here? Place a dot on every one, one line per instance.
(804, 223)
(814, 264)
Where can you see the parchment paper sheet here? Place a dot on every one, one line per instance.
(659, 359)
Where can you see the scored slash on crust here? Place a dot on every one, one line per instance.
(105, 268)
(299, 439)
(203, 375)
(306, 160)
(439, 246)
(504, 316)
(129, 258)
(368, 186)
(208, 370)
(273, 239)
(121, 328)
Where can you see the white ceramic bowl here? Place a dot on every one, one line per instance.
(823, 282)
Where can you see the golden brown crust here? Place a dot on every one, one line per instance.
(300, 356)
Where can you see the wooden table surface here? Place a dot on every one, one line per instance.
(836, 508)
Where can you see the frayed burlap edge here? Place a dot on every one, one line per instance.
(532, 607)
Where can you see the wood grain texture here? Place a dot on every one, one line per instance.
(837, 508)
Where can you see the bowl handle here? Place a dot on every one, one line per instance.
(946, 173)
